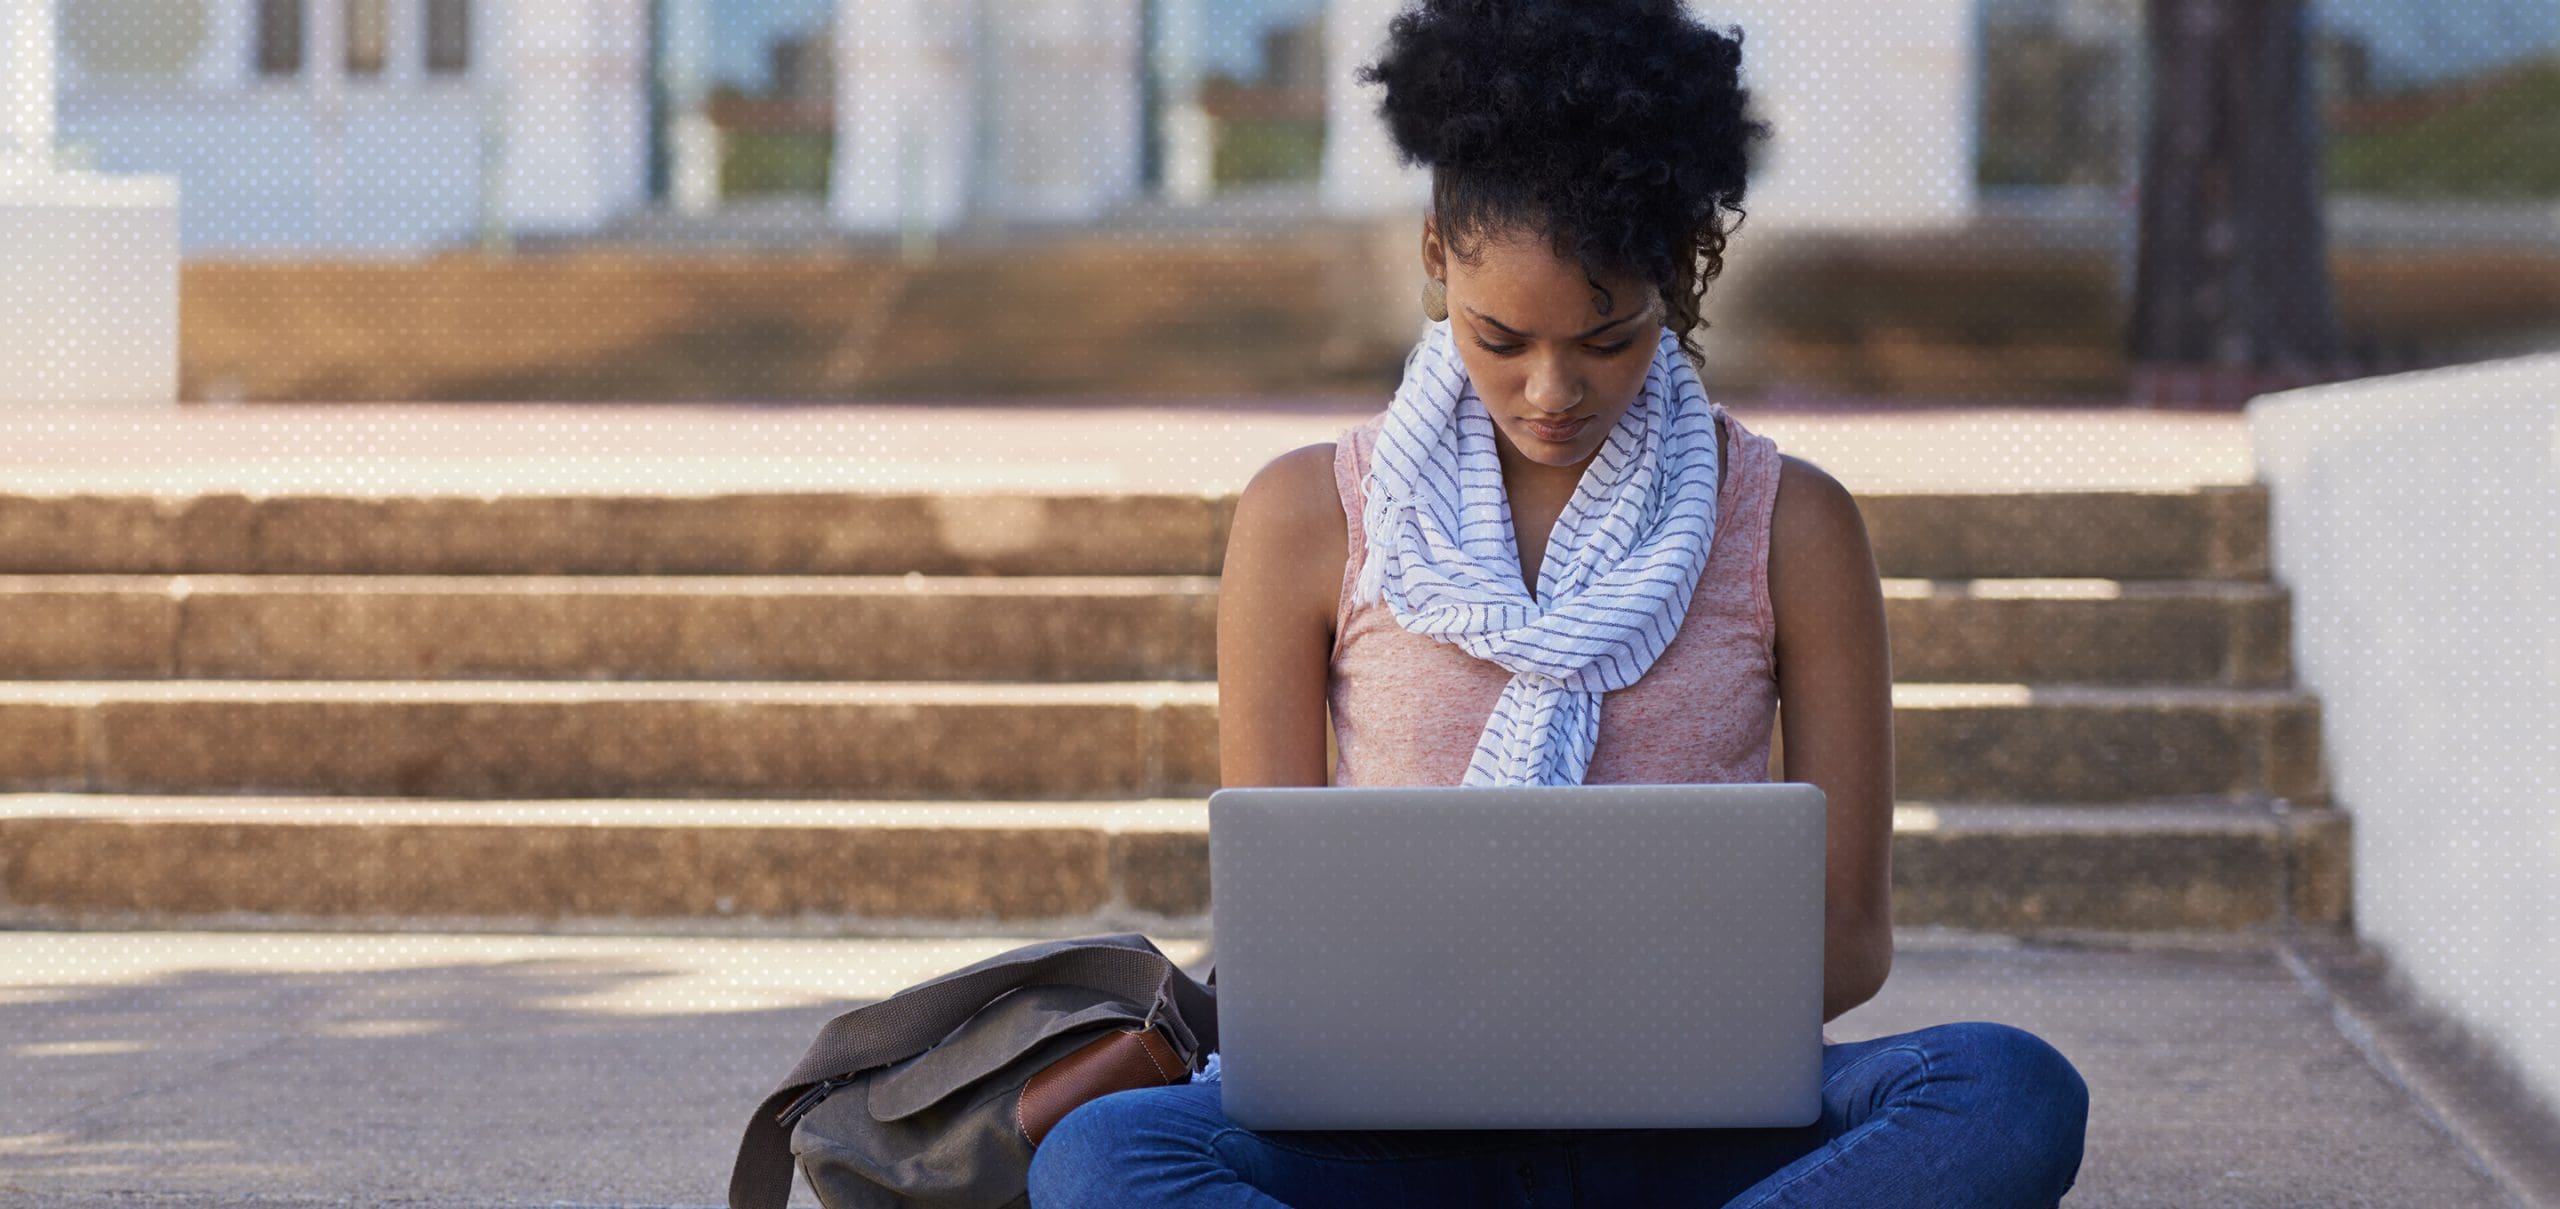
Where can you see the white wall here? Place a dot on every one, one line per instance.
(2417, 522)
(89, 281)
(88, 263)
(279, 165)
(390, 164)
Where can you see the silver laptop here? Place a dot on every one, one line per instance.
(1519, 957)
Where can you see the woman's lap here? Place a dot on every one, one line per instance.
(1970, 1113)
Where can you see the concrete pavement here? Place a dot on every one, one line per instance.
(294, 1068)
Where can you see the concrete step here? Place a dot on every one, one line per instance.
(2102, 743)
(739, 533)
(789, 627)
(490, 739)
(896, 866)
(927, 739)
(2198, 632)
(2216, 532)
(1014, 627)
(2210, 531)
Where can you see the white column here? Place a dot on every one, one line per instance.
(1062, 104)
(26, 85)
(693, 142)
(1361, 174)
(988, 64)
(906, 114)
(1182, 125)
(324, 83)
(576, 96)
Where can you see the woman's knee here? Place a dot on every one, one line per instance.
(2027, 1065)
(2040, 1097)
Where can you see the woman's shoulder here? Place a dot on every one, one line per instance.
(1298, 491)
(1820, 559)
(1296, 504)
(1810, 506)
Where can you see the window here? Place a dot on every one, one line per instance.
(279, 37)
(448, 36)
(144, 38)
(368, 36)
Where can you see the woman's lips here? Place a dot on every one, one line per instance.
(1559, 435)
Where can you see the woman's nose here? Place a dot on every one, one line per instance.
(1554, 391)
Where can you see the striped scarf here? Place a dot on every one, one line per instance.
(1620, 565)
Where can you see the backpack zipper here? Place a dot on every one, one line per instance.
(809, 1099)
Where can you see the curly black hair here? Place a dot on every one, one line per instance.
(1616, 127)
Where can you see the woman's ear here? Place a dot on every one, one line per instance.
(1434, 259)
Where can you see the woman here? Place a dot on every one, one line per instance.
(1480, 599)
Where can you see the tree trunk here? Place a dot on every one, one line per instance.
(2231, 292)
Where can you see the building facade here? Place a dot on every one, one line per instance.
(399, 127)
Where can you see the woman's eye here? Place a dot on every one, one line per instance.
(1505, 350)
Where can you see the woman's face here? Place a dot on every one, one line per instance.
(1537, 346)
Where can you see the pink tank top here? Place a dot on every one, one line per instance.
(1407, 709)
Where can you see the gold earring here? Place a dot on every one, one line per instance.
(1435, 299)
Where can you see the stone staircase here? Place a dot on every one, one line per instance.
(971, 714)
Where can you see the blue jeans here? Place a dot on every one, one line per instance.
(1974, 1114)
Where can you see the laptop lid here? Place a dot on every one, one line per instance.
(1519, 957)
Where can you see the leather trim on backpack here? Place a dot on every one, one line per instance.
(1115, 1061)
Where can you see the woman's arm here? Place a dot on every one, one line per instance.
(1835, 705)
(1276, 598)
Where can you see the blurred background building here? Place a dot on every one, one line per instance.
(404, 126)
(410, 125)
(1949, 193)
